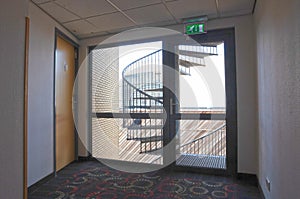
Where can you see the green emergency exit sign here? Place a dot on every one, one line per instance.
(195, 28)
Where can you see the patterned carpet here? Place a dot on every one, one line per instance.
(92, 180)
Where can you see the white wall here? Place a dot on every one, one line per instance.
(246, 90)
(12, 38)
(278, 61)
(246, 85)
(40, 88)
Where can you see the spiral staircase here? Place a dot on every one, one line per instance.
(143, 92)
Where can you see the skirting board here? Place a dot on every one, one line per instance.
(253, 180)
(37, 185)
(249, 178)
(85, 158)
(261, 191)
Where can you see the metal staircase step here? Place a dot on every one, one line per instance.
(154, 89)
(211, 44)
(135, 127)
(146, 98)
(195, 53)
(151, 139)
(145, 107)
(188, 64)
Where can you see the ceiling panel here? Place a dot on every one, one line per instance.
(80, 27)
(235, 7)
(111, 22)
(149, 14)
(58, 12)
(87, 8)
(191, 8)
(162, 23)
(124, 5)
(95, 34)
(102, 18)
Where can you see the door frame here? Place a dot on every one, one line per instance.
(228, 36)
(59, 33)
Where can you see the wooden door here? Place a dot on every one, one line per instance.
(64, 80)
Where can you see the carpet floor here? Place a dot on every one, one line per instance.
(93, 180)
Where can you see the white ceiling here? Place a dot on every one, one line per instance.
(87, 18)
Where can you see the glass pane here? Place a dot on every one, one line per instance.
(202, 143)
(202, 78)
(127, 78)
(134, 140)
(105, 79)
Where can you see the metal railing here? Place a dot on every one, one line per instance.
(204, 49)
(213, 143)
(142, 84)
(142, 93)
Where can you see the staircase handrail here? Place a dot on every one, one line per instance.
(201, 138)
(133, 86)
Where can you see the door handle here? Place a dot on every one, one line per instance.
(171, 106)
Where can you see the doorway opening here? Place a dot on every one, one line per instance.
(202, 142)
(138, 106)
